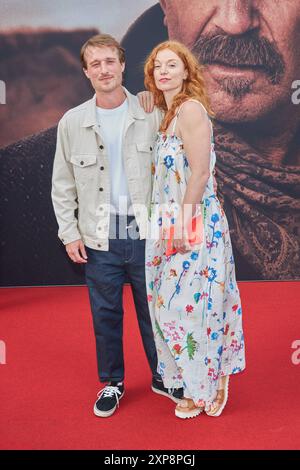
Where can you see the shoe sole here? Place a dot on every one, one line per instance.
(106, 414)
(215, 415)
(188, 414)
(164, 394)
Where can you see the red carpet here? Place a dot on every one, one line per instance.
(49, 383)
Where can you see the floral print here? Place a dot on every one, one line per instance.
(193, 297)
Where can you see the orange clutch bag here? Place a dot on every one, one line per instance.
(195, 235)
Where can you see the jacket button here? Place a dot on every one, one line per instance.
(81, 163)
(151, 149)
(101, 147)
(99, 246)
(100, 189)
(101, 168)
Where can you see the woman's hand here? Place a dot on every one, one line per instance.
(181, 242)
(146, 100)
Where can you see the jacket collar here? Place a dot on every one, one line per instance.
(134, 110)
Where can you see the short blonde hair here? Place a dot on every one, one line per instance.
(102, 40)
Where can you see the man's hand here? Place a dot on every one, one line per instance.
(76, 251)
(146, 100)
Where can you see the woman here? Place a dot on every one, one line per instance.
(193, 295)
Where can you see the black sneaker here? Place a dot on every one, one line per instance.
(108, 399)
(175, 394)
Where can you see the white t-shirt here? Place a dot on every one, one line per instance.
(112, 123)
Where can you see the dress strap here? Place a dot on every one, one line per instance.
(179, 109)
(176, 117)
(175, 121)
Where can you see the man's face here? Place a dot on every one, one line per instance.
(103, 68)
(250, 49)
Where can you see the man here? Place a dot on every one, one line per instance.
(245, 46)
(102, 169)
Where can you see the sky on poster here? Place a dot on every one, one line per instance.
(110, 16)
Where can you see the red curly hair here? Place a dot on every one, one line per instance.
(193, 86)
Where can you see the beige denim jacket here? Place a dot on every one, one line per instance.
(81, 181)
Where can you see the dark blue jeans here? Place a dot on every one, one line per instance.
(106, 272)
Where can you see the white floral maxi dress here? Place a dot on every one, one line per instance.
(193, 298)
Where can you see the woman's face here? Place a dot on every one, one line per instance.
(169, 71)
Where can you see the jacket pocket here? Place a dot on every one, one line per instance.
(84, 166)
(144, 150)
(144, 146)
